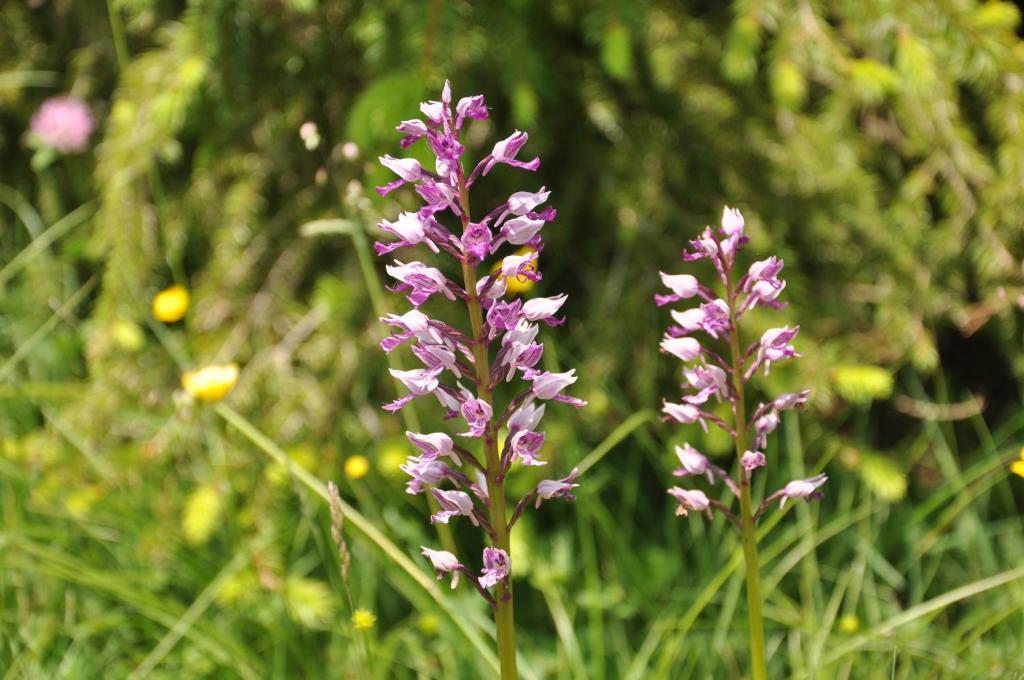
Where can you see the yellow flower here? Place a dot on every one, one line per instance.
(210, 383)
(1017, 466)
(170, 304)
(363, 619)
(127, 335)
(515, 285)
(356, 467)
(849, 624)
(391, 456)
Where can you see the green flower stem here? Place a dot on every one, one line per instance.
(503, 618)
(748, 530)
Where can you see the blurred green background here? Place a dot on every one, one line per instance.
(878, 147)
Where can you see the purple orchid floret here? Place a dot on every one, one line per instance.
(443, 562)
(420, 281)
(453, 503)
(557, 488)
(693, 462)
(494, 340)
(423, 473)
(707, 374)
(683, 287)
(684, 348)
(506, 151)
(799, 488)
(525, 445)
(411, 229)
(477, 413)
(497, 565)
(432, 446)
(752, 460)
(690, 499)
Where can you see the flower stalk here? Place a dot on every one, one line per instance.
(502, 600)
(748, 527)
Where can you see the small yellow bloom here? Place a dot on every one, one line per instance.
(514, 285)
(127, 335)
(391, 456)
(356, 467)
(363, 619)
(849, 624)
(210, 383)
(171, 304)
(1017, 466)
(428, 623)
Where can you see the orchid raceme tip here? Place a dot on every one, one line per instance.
(493, 341)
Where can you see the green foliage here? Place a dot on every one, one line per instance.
(879, 147)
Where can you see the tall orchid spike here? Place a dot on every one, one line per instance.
(708, 375)
(462, 370)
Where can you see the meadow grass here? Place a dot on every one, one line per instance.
(855, 586)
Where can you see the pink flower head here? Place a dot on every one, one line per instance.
(525, 445)
(505, 152)
(707, 380)
(687, 321)
(438, 357)
(503, 316)
(453, 504)
(523, 334)
(413, 130)
(439, 196)
(762, 284)
(764, 425)
(477, 413)
(557, 488)
(683, 413)
(419, 381)
(523, 202)
(516, 356)
(689, 500)
(683, 287)
(410, 229)
(752, 460)
(693, 463)
(407, 169)
(706, 246)
(521, 267)
(431, 446)
(420, 281)
(732, 221)
(790, 400)
(544, 309)
(549, 385)
(470, 107)
(716, 317)
(423, 472)
(686, 349)
(443, 562)
(801, 488)
(521, 230)
(63, 123)
(476, 241)
(496, 567)
(526, 417)
(413, 324)
(733, 237)
(775, 346)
